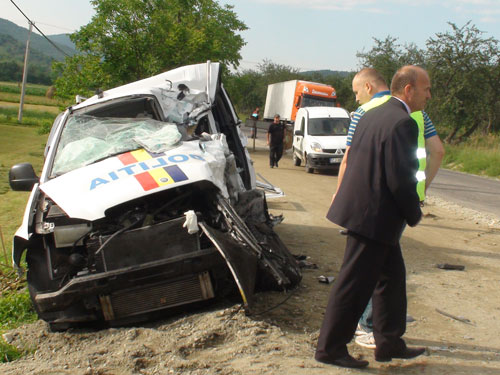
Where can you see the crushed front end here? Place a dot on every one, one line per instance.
(147, 204)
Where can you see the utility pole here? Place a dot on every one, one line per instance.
(25, 75)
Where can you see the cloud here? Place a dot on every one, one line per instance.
(476, 6)
(487, 11)
(489, 19)
(346, 5)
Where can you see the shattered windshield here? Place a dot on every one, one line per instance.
(328, 126)
(87, 139)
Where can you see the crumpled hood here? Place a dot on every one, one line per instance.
(86, 193)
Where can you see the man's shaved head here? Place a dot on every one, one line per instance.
(372, 76)
(366, 83)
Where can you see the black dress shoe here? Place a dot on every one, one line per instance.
(346, 361)
(404, 354)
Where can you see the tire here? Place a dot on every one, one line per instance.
(308, 168)
(296, 159)
(39, 282)
(38, 278)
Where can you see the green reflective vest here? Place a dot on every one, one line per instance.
(375, 102)
(421, 154)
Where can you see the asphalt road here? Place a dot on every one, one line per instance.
(474, 192)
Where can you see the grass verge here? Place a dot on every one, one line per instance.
(17, 144)
(33, 99)
(479, 155)
(42, 119)
(29, 90)
(15, 309)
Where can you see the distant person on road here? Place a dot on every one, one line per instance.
(377, 198)
(371, 90)
(255, 117)
(275, 141)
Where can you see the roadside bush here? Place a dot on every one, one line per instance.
(16, 309)
(479, 155)
(9, 353)
(45, 128)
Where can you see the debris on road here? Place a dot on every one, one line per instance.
(454, 267)
(459, 318)
(326, 279)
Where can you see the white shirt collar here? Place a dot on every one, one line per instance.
(406, 105)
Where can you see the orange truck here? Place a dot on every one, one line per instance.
(285, 98)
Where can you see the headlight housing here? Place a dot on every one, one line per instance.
(316, 147)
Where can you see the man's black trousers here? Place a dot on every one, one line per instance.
(275, 153)
(368, 268)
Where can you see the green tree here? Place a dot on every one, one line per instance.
(463, 66)
(343, 87)
(128, 40)
(387, 56)
(10, 71)
(248, 88)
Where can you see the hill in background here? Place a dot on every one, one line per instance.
(42, 53)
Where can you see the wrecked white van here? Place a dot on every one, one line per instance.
(147, 202)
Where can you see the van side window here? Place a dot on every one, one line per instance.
(303, 125)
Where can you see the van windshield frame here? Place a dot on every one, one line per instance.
(328, 126)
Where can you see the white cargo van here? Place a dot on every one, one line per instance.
(319, 137)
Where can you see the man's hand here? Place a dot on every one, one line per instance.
(435, 153)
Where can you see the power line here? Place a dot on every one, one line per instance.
(57, 27)
(40, 31)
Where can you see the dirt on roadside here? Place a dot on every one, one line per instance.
(281, 339)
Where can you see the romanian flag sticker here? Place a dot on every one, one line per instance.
(156, 176)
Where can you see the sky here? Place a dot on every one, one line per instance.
(303, 34)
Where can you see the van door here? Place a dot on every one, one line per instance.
(300, 126)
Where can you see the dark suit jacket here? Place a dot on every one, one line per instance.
(378, 192)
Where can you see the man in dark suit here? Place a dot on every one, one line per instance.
(376, 199)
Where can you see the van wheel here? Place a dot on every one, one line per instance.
(296, 159)
(309, 169)
(38, 278)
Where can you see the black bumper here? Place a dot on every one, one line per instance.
(324, 161)
(142, 277)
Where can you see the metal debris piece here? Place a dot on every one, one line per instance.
(459, 318)
(270, 190)
(446, 266)
(308, 265)
(326, 279)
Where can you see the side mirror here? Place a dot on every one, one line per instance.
(299, 133)
(22, 177)
(298, 102)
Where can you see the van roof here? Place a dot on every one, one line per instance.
(326, 111)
